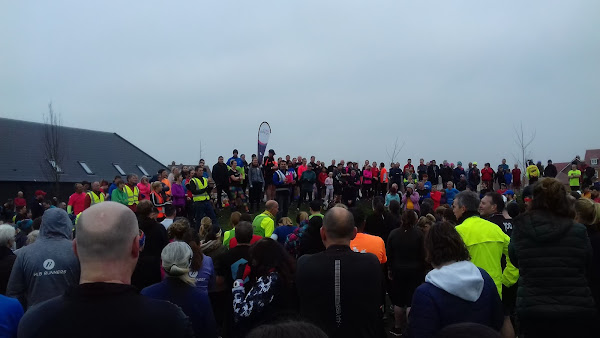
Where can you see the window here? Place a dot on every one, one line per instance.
(142, 170)
(85, 167)
(55, 166)
(118, 167)
(594, 161)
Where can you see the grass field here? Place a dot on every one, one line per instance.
(224, 214)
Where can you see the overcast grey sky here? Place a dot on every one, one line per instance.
(335, 79)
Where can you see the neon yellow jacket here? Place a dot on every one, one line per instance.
(264, 224)
(227, 236)
(487, 243)
(532, 171)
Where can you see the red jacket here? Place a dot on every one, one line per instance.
(322, 176)
(516, 176)
(487, 174)
(436, 196)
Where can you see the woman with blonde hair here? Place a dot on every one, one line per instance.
(180, 289)
(425, 222)
(206, 227)
(587, 212)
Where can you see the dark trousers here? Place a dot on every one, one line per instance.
(255, 194)
(202, 209)
(283, 199)
(303, 194)
(564, 327)
(220, 189)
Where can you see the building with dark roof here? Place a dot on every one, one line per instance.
(88, 155)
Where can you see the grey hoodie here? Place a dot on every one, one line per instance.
(46, 268)
(461, 279)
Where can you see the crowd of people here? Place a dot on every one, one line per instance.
(456, 251)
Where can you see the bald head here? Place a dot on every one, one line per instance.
(272, 206)
(105, 232)
(339, 224)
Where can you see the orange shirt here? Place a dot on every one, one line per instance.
(371, 244)
(168, 184)
(383, 177)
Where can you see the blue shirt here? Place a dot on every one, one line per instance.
(389, 197)
(11, 312)
(239, 161)
(110, 189)
(205, 277)
(450, 194)
(508, 178)
(283, 232)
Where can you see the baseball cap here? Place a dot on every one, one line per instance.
(509, 192)
(271, 151)
(40, 192)
(412, 186)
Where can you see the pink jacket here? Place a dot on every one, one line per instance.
(301, 169)
(144, 190)
(367, 176)
(414, 198)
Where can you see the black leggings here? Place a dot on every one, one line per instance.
(255, 193)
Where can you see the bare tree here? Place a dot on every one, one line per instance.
(523, 141)
(52, 144)
(397, 149)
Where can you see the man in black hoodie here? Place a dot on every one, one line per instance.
(221, 178)
(550, 170)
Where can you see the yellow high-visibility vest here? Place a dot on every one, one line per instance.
(132, 195)
(201, 184)
(94, 199)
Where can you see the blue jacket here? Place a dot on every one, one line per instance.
(10, 315)
(450, 194)
(278, 181)
(192, 300)
(455, 293)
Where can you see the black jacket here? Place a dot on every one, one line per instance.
(447, 174)
(433, 173)
(147, 270)
(550, 171)
(350, 308)
(104, 310)
(220, 174)
(552, 254)
(7, 259)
